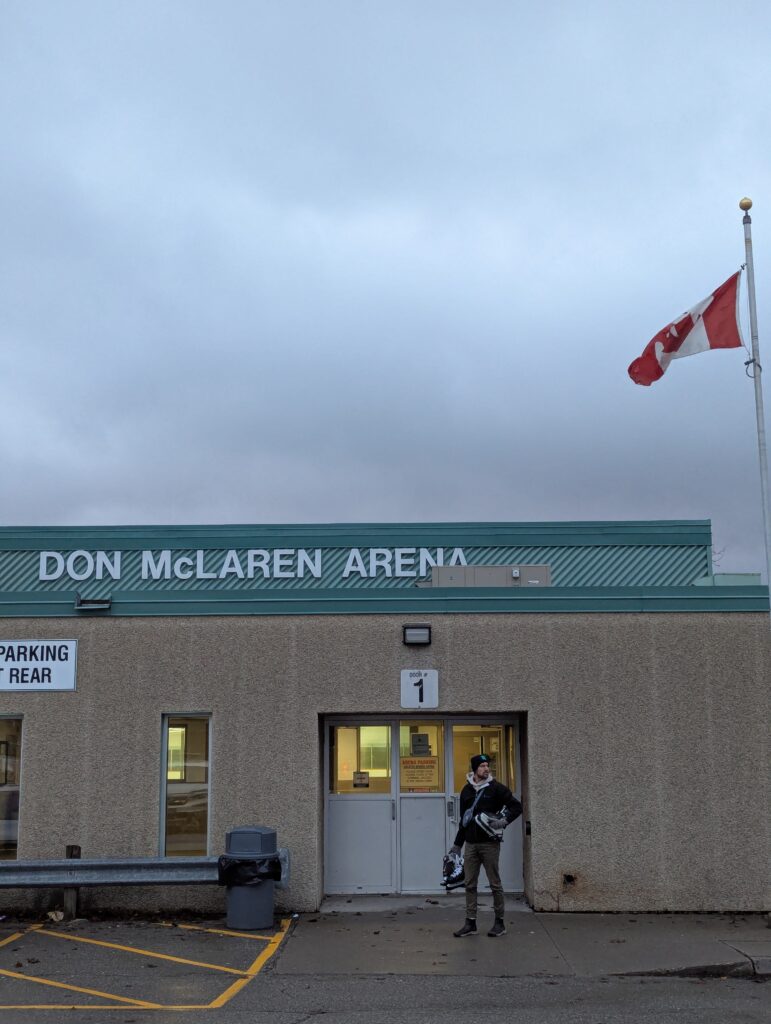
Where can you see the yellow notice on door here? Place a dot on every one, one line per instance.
(419, 772)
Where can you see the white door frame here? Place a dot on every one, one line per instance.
(352, 798)
(517, 828)
(395, 795)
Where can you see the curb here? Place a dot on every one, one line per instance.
(758, 969)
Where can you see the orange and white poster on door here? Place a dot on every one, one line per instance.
(419, 772)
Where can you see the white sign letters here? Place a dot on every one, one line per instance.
(256, 564)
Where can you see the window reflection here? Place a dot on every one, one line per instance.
(187, 787)
(360, 759)
(10, 769)
(176, 760)
(468, 740)
(421, 757)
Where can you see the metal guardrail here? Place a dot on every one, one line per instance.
(129, 871)
(76, 874)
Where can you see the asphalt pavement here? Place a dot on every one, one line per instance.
(378, 960)
(380, 935)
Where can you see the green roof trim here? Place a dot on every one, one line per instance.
(40, 538)
(417, 601)
(231, 560)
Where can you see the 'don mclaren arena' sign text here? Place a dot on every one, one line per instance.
(252, 563)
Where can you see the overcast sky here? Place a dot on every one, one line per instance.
(377, 260)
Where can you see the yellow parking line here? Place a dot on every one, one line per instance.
(95, 1006)
(274, 941)
(141, 952)
(86, 991)
(218, 931)
(254, 969)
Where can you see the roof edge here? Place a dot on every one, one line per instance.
(434, 600)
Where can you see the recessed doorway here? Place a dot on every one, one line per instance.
(392, 790)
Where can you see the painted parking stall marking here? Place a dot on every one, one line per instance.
(29, 944)
(140, 952)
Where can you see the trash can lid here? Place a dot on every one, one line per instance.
(251, 839)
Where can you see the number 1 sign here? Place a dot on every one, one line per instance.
(420, 688)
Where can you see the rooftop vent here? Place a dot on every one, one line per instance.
(490, 576)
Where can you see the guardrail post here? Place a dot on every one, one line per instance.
(71, 895)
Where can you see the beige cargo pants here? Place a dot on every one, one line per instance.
(476, 856)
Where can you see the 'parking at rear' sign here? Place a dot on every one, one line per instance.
(38, 664)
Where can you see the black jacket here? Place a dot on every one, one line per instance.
(495, 796)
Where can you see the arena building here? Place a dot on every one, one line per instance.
(159, 685)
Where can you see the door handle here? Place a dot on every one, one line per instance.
(393, 810)
(450, 807)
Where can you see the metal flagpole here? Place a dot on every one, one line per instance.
(746, 205)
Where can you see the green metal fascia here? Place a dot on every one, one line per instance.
(482, 600)
(568, 534)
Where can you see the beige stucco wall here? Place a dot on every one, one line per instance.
(647, 759)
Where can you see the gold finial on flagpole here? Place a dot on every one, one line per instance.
(745, 204)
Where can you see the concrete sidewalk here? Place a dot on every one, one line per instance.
(389, 935)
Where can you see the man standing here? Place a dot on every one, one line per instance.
(486, 808)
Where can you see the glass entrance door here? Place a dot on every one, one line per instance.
(360, 847)
(499, 742)
(422, 804)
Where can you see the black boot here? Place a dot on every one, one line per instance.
(469, 928)
(498, 928)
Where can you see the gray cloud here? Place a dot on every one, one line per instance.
(374, 261)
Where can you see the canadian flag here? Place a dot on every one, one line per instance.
(713, 323)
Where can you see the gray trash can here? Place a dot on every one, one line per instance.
(251, 906)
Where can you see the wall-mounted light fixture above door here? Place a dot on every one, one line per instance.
(416, 635)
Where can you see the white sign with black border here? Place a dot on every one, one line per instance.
(420, 688)
(37, 665)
